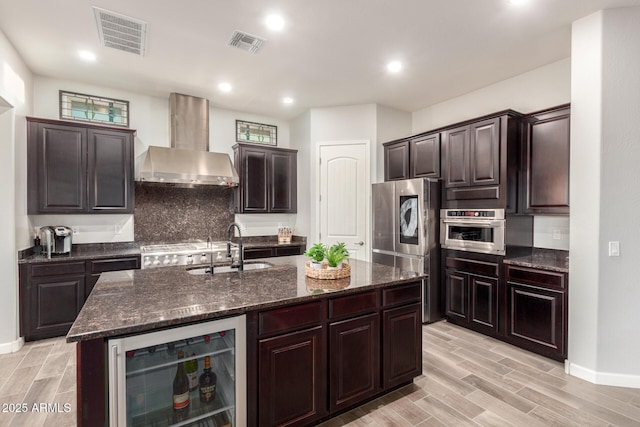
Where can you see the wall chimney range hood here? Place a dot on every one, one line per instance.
(188, 162)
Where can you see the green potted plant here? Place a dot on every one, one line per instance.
(317, 253)
(336, 254)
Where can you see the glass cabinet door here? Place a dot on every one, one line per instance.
(160, 379)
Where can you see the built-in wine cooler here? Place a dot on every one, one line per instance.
(188, 376)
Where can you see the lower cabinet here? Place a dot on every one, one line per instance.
(53, 292)
(291, 378)
(537, 304)
(274, 251)
(471, 290)
(310, 361)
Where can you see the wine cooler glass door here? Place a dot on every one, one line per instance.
(192, 375)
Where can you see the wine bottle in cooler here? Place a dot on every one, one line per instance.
(208, 382)
(191, 367)
(180, 391)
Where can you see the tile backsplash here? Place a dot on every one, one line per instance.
(551, 232)
(173, 214)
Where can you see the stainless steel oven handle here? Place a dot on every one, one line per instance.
(480, 224)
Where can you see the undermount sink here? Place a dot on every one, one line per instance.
(229, 269)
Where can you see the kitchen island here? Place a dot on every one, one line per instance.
(364, 332)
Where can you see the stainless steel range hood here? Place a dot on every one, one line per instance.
(188, 161)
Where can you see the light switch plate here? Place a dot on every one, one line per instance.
(614, 248)
(75, 230)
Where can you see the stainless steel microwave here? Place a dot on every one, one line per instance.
(478, 230)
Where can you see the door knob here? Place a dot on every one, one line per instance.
(361, 243)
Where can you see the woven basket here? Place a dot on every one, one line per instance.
(325, 273)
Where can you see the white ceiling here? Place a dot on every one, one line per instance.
(331, 52)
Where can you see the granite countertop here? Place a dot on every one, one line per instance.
(86, 251)
(136, 301)
(543, 259)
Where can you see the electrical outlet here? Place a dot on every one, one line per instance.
(117, 229)
(76, 230)
(557, 234)
(614, 248)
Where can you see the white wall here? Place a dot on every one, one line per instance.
(537, 89)
(16, 89)
(301, 140)
(150, 117)
(605, 152)
(353, 122)
(390, 124)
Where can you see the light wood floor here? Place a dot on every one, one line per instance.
(468, 380)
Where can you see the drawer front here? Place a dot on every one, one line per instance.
(482, 268)
(57, 268)
(353, 305)
(290, 318)
(288, 250)
(258, 253)
(100, 266)
(402, 294)
(532, 276)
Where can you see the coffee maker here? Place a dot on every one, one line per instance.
(55, 240)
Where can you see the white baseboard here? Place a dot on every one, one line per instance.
(604, 378)
(11, 347)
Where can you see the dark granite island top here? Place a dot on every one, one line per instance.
(137, 301)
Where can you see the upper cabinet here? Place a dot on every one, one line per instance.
(268, 178)
(480, 163)
(79, 168)
(416, 157)
(545, 161)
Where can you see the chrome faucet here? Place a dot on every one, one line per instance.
(209, 244)
(240, 265)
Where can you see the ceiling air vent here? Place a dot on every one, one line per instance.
(246, 41)
(121, 32)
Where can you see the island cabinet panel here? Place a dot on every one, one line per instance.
(396, 161)
(402, 345)
(425, 156)
(268, 179)
(537, 304)
(292, 384)
(545, 161)
(78, 168)
(471, 284)
(311, 361)
(354, 360)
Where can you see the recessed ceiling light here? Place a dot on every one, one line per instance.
(87, 55)
(287, 100)
(518, 2)
(225, 87)
(394, 66)
(274, 22)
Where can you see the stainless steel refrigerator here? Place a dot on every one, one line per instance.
(405, 234)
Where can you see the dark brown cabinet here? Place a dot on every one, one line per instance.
(545, 161)
(396, 160)
(52, 293)
(471, 290)
(310, 361)
(480, 163)
(537, 304)
(268, 178)
(76, 168)
(425, 156)
(274, 251)
(417, 157)
(292, 378)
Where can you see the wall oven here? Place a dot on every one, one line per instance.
(478, 230)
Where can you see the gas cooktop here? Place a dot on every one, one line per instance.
(187, 253)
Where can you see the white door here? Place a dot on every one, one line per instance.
(345, 189)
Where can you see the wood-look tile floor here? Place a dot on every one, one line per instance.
(473, 380)
(468, 380)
